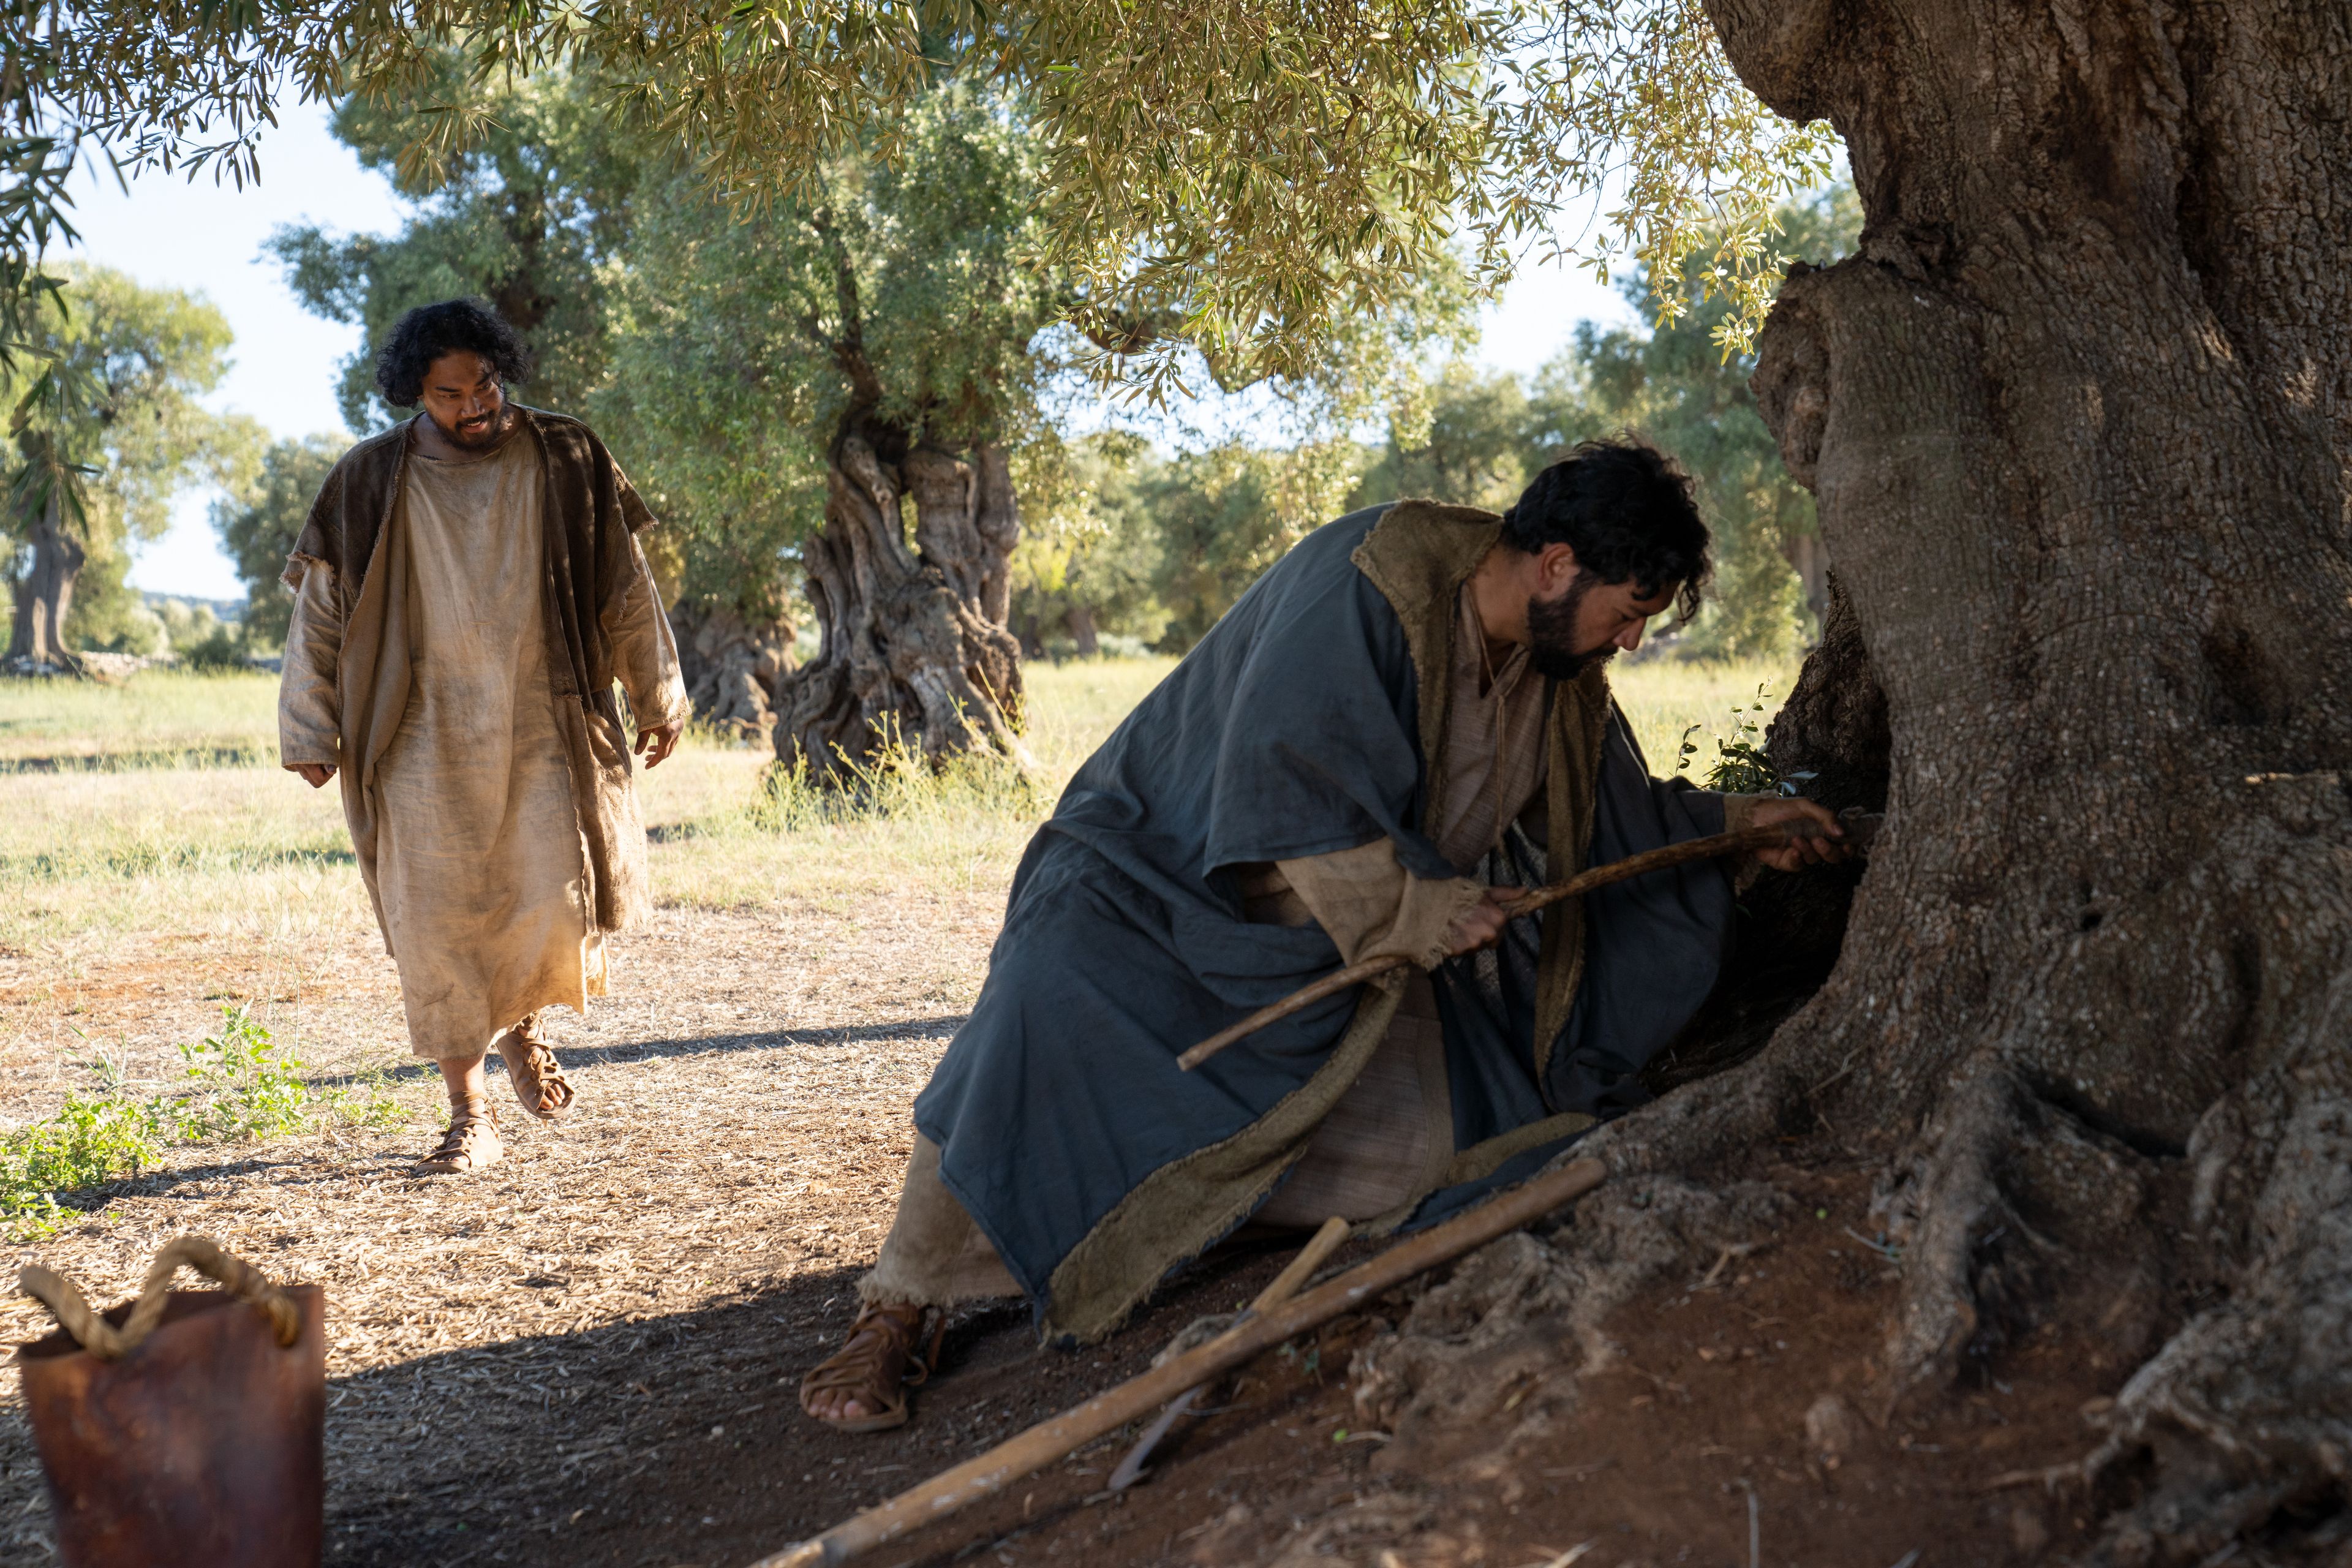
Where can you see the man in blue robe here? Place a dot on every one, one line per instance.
(1406, 719)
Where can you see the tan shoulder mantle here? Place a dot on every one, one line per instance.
(1418, 556)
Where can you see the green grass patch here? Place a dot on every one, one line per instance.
(235, 1087)
(156, 719)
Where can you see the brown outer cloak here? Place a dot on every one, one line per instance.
(591, 512)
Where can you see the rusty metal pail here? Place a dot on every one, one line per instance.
(201, 1438)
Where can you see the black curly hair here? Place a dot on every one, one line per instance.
(428, 331)
(1626, 510)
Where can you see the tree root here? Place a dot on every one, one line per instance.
(1523, 1309)
(2013, 1212)
(2246, 1413)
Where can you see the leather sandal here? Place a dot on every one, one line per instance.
(470, 1144)
(538, 1077)
(879, 1362)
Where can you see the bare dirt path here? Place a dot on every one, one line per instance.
(499, 1343)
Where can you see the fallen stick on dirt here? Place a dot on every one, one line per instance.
(1285, 1285)
(1859, 831)
(1042, 1445)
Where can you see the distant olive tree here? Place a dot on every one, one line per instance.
(260, 519)
(106, 429)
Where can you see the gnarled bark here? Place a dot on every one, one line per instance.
(2079, 420)
(732, 665)
(915, 648)
(44, 595)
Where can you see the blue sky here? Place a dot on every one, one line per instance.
(208, 239)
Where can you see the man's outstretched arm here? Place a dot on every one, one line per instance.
(1371, 906)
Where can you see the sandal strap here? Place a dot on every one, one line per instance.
(455, 1139)
(863, 1362)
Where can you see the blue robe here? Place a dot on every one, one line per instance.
(1295, 728)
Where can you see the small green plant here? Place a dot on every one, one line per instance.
(1740, 766)
(95, 1139)
(369, 1102)
(241, 1087)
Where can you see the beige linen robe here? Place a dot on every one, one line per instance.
(482, 874)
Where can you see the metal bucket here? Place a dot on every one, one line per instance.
(202, 1442)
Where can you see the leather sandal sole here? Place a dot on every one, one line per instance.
(531, 1084)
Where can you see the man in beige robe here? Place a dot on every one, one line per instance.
(467, 589)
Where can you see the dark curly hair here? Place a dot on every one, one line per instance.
(1626, 510)
(428, 331)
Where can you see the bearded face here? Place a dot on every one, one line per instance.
(1587, 622)
(1554, 638)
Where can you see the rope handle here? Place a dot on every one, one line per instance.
(107, 1342)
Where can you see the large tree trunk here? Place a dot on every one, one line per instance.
(44, 595)
(733, 666)
(2079, 419)
(915, 649)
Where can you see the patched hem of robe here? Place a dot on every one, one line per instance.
(1159, 1225)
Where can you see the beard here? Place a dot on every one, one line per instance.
(481, 436)
(1551, 634)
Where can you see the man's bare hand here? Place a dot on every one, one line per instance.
(1798, 853)
(1482, 923)
(657, 742)
(315, 774)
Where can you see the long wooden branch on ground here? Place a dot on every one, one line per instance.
(1295, 1273)
(1042, 1445)
(1859, 831)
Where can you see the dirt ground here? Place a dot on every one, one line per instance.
(1696, 1450)
(587, 1355)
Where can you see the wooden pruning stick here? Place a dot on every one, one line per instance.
(1858, 833)
(1285, 1285)
(1049, 1441)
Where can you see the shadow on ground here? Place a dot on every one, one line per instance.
(678, 1440)
(938, 1028)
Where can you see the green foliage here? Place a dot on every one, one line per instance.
(529, 216)
(237, 1088)
(261, 521)
(1214, 181)
(240, 1086)
(1676, 386)
(119, 402)
(369, 1102)
(904, 293)
(111, 615)
(1740, 766)
(107, 429)
(1089, 548)
(1232, 180)
(95, 1139)
(1473, 444)
(1225, 514)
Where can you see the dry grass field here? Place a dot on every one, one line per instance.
(512, 1356)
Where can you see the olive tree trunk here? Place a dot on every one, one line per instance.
(45, 594)
(732, 665)
(2078, 417)
(915, 650)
